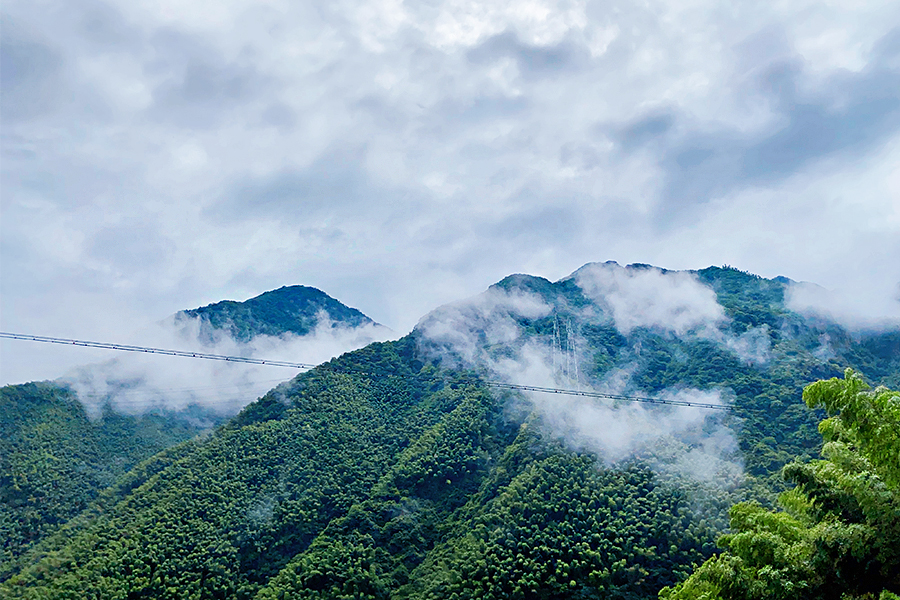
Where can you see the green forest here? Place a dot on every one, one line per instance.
(293, 309)
(394, 471)
(836, 534)
(54, 460)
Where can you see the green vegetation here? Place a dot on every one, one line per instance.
(382, 477)
(293, 309)
(837, 534)
(386, 473)
(54, 460)
(565, 528)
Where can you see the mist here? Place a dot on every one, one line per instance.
(673, 302)
(858, 310)
(484, 333)
(676, 440)
(650, 297)
(462, 333)
(134, 383)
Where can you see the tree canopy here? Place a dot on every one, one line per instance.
(837, 533)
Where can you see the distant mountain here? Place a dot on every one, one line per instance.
(395, 472)
(643, 330)
(56, 457)
(608, 314)
(293, 309)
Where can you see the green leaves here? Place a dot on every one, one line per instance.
(838, 535)
(867, 420)
(54, 461)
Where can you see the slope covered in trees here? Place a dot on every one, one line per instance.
(640, 329)
(381, 476)
(54, 460)
(393, 472)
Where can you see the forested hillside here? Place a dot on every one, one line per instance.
(378, 475)
(395, 472)
(837, 533)
(55, 457)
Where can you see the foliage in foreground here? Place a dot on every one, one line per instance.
(838, 533)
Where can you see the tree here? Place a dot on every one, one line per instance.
(837, 534)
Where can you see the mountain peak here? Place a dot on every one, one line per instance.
(296, 309)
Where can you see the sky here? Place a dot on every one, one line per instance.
(164, 155)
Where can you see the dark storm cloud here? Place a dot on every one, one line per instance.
(43, 66)
(533, 225)
(198, 86)
(131, 247)
(480, 108)
(103, 26)
(645, 130)
(158, 155)
(857, 111)
(335, 183)
(279, 115)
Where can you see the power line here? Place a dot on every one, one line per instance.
(306, 366)
(148, 350)
(593, 394)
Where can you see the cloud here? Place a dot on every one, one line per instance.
(31, 74)
(532, 60)
(679, 442)
(335, 182)
(485, 332)
(652, 298)
(464, 332)
(136, 383)
(401, 156)
(195, 86)
(685, 442)
(856, 310)
(752, 346)
(675, 302)
(846, 113)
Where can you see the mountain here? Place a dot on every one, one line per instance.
(293, 309)
(58, 450)
(639, 329)
(401, 471)
(54, 460)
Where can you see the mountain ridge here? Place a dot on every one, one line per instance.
(390, 472)
(295, 309)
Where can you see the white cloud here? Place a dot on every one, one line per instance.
(468, 328)
(649, 297)
(680, 441)
(854, 309)
(433, 148)
(135, 382)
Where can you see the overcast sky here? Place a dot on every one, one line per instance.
(165, 155)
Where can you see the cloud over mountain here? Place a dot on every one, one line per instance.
(160, 155)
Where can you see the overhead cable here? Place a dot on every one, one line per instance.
(306, 366)
(147, 350)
